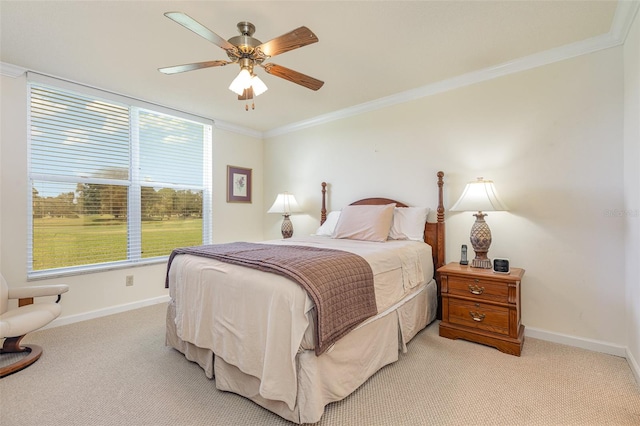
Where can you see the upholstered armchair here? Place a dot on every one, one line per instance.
(27, 317)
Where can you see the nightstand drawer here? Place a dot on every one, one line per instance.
(482, 307)
(483, 316)
(478, 288)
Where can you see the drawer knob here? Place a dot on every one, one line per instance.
(474, 289)
(476, 316)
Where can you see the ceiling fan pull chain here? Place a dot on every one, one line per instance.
(246, 105)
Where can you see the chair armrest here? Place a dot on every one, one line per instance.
(37, 291)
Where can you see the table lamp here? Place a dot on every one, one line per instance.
(285, 204)
(480, 196)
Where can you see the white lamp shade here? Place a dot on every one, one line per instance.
(258, 86)
(479, 196)
(285, 203)
(244, 80)
(241, 82)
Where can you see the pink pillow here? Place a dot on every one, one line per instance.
(329, 225)
(408, 223)
(368, 223)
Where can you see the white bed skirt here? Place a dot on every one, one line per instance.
(336, 373)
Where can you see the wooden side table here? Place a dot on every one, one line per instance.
(482, 306)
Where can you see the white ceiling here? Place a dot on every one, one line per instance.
(367, 50)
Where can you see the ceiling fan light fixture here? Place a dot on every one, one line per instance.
(258, 86)
(248, 52)
(241, 82)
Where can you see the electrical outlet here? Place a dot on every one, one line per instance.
(129, 281)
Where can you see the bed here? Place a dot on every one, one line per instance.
(262, 336)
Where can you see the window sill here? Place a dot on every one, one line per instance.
(92, 269)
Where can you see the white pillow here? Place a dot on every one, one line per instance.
(365, 222)
(329, 225)
(408, 223)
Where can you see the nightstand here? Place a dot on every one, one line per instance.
(482, 306)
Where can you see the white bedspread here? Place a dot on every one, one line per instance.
(257, 320)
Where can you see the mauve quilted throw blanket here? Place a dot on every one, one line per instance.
(339, 283)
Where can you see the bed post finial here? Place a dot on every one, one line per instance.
(440, 198)
(323, 211)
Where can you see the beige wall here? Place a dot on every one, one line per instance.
(632, 190)
(550, 138)
(237, 221)
(105, 292)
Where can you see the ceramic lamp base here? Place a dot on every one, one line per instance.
(287, 227)
(481, 241)
(481, 263)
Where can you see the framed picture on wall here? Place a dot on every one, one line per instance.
(238, 185)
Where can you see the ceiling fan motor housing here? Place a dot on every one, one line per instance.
(245, 42)
(246, 28)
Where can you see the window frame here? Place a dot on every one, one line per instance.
(133, 184)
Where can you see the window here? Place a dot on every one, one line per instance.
(113, 181)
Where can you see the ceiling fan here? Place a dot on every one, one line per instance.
(248, 52)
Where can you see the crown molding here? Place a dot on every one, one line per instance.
(13, 71)
(230, 127)
(622, 21)
(626, 11)
(528, 62)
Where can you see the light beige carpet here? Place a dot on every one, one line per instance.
(116, 371)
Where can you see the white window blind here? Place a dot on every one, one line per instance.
(171, 180)
(112, 182)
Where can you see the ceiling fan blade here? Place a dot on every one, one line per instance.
(292, 40)
(190, 67)
(191, 24)
(293, 76)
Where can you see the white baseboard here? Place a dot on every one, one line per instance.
(579, 342)
(106, 311)
(592, 345)
(633, 363)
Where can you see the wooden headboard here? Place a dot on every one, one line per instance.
(433, 231)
